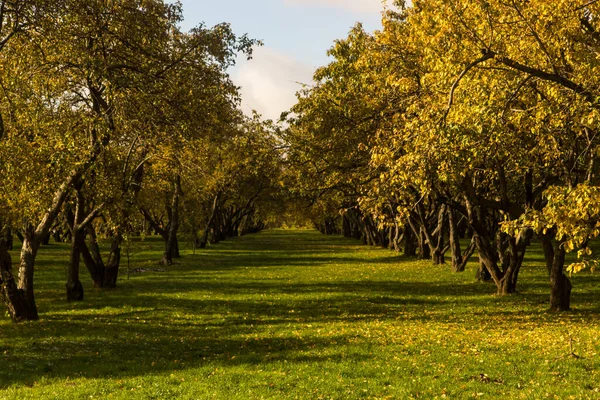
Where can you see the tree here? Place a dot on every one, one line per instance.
(70, 85)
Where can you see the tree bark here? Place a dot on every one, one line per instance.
(8, 236)
(93, 258)
(29, 251)
(501, 255)
(438, 250)
(96, 270)
(508, 284)
(410, 242)
(482, 274)
(459, 260)
(114, 260)
(424, 249)
(78, 222)
(12, 297)
(346, 231)
(74, 286)
(210, 221)
(171, 245)
(504, 276)
(560, 284)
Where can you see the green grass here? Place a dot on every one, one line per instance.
(293, 314)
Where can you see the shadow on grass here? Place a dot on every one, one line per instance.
(208, 312)
(175, 333)
(119, 351)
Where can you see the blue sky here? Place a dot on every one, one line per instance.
(296, 36)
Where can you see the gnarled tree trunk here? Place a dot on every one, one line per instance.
(29, 251)
(12, 297)
(501, 255)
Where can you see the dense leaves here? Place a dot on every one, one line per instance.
(105, 108)
(460, 118)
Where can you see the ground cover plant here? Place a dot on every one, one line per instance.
(297, 314)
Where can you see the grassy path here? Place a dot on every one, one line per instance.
(293, 314)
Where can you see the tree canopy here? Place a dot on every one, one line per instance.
(472, 119)
(468, 127)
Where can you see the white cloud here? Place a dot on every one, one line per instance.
(357, 6)
(270, 81)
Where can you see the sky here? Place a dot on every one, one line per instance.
(296, 35)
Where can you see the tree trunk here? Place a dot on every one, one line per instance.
(438, 250)
(505, 279)
(12, 297)
(508, 284)
(56, 235)
(346, 231)
(8, 236)
(424, 249)
(74, 286)
(46, 239)
(560, 284)
(501, 255)
(385, 238)
(96, 271)
(410, 242)
(395, 237)
(356, 230)
(114, 260)
(93, 258)
(459, 260)
(171, 245)
(482, 274)
(457, 265)
(176, 253)
(78, 222)
(28, 253)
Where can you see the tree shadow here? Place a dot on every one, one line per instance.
(208, 311)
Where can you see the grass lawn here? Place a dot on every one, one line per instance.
(294, 314)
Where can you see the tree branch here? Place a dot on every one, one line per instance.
(486, 56)
(552, 77)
